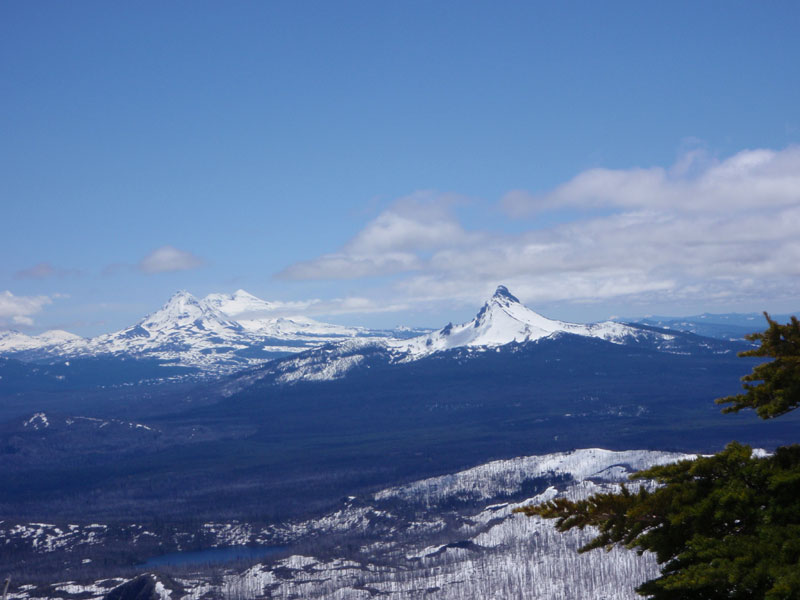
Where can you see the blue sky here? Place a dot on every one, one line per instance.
(392, 162)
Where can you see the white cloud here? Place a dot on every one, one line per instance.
(356, 305)
(751, 178)
(390, 243)
(700, 230)
(17, 310)
(167, 259)
(407, 227)
(345, 265)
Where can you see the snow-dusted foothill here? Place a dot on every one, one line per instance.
(15, 341)
(451, 537)
(507, 476)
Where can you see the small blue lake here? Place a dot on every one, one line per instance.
(212, 555)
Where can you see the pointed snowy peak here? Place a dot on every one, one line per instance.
(241, 294)
(58, 336)
(502, 295)
(504, 320)
(505, 315)
(180, 301)
(181, 298)
(183, 310)
(181, 306)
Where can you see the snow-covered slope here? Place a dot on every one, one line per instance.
(443, 538)
(185, 330)
(14, 341)
(223, 333)
(219, 334)
(240, 303)
(257, 316)
(206, 333)
(503, 320)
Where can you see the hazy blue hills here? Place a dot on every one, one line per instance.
(728, 326)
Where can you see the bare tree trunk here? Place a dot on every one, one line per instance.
(5, 587)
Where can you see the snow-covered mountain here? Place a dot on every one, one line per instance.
(504, 320)
(502, 323)
(185, 330)
(218, 334)
(240, 303)
(224, 333)
(256, 316)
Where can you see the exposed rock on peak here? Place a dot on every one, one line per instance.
(502, 294)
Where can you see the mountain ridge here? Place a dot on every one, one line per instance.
(225, 333)
(503, 319)
(503, 324)
(192, 332)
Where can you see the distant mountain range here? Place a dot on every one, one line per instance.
(503, 324)
(219, 334)
(238, 333)
(728, 326)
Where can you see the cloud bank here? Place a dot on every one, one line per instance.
(391, 243)
(702, 230)
(747, 180)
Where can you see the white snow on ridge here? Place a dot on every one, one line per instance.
(501, 476)
(298, 326)
(184, 330)
(14, 341)
(481, 551)
(221, 333)
(502, 320)
(239, 303)
(224, 333)
(184, 310)
(258, 316)
(36, 421)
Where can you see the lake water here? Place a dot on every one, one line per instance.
(212, 555)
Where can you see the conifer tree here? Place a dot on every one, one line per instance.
(779, 390)
(722, 526)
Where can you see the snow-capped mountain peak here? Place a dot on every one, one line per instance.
(503, 320)
(183, 310)
(503, 296)
(217, 334)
